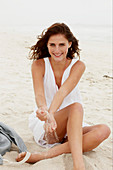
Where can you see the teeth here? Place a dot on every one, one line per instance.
(57, 54)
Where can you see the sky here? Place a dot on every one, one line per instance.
(40, 12)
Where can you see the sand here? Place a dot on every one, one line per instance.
(17, 95)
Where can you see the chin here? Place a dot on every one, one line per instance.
(58, 59)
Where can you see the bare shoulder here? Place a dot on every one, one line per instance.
(38, 66)
(79, 65)
(76, 72)
(38, 63)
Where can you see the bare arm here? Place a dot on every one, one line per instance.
(38, 69)
(75, 74)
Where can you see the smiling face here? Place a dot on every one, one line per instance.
(58, 47)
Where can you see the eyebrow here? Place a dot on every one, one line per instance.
(62, 43)
(59, 43)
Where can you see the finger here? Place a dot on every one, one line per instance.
(40, 117)
(43, 114)
(37, 115)
(54, 125)
(38, 111)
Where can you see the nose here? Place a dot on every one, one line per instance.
(57, 49)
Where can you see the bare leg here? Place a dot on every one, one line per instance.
(90, 132)
(96, 134)
(74, 131)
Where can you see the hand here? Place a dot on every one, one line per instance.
(41, 113)
(50, 124)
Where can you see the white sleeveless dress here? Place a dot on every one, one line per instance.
(51, 88)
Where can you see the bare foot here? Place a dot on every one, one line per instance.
(35, 157)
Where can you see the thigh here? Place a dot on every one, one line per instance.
(61, 118)
(87, 129)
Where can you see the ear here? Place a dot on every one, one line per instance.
(70, 43)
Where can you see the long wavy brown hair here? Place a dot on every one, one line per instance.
(40, 50)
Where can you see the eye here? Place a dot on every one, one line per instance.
(62, 44)
(52, 44)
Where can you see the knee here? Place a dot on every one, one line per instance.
(103, 132)
(76, 108)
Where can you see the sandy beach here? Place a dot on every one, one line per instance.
(17, 95)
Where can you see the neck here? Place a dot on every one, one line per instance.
(61, 65)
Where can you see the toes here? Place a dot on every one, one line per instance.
(23, 154)
(20, 156)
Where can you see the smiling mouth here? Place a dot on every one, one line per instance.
(57, 55)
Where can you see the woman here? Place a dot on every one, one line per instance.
(58, 117)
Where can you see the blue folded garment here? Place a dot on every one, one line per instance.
(7, 136)
(1, 160)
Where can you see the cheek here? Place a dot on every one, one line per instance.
(66, 50)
